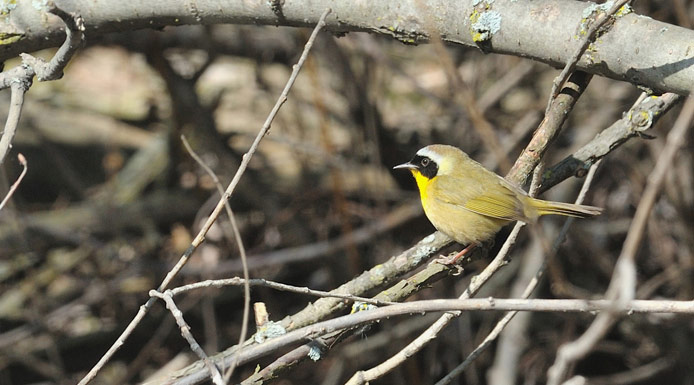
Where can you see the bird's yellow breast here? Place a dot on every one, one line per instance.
(459, 223)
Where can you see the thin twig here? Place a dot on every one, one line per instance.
(18, 88)
(239, 243)
(236, 281)
(185, 332)
(311, 332)
(314, 331)
(15, 185)
(623, 283)
(217, 210)
(585, 43)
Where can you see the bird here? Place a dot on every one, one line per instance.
(469, 203)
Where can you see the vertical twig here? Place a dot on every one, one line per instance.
(239, 243)
(18, 87)
(550, 127)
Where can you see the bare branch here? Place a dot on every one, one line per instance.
(13, 188)
(641, 117)
(18, 86)
(590, 35)
(274, 285)
(74, 38)
(623, 283)
(185, 332)
(217, 210)
(239, 243)
(544, 30)
(311, 332)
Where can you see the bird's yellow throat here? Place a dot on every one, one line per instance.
(422, 183)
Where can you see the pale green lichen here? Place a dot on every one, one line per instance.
(429, 238)
(604, 7)
(487, 24)
(314, 352)
(269, 330)
(362, 306)
(590, 13)
(9, 38)
(377, 274)
(421, 253)
(483, 21)
(7, 5)
(40, 5)
(625, 10)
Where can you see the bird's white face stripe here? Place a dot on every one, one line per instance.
(430, 154)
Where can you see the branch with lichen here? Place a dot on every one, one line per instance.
(640, 118)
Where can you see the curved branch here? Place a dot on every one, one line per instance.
(544, 30)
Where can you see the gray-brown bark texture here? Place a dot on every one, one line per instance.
(636, 48)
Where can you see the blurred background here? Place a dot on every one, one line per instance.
(112, 199)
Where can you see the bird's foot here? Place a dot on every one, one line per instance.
(453, 260)
(445, 260)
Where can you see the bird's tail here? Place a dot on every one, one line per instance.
(566, 209)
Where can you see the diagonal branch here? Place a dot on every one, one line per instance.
(623, 283)
(634, 123)
(590, 36)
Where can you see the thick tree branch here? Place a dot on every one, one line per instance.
(544, 30)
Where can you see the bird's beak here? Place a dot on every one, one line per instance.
(407, 165)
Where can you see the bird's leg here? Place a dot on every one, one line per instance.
(454, 259)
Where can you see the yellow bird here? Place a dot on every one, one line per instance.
(469, 203)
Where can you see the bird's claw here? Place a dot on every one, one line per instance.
(451, 263)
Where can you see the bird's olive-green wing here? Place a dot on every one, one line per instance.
(494, 199)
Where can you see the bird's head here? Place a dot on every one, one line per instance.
(434, 160)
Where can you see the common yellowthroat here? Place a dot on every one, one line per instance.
(469, 203)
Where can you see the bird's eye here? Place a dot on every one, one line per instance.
(425, 162)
